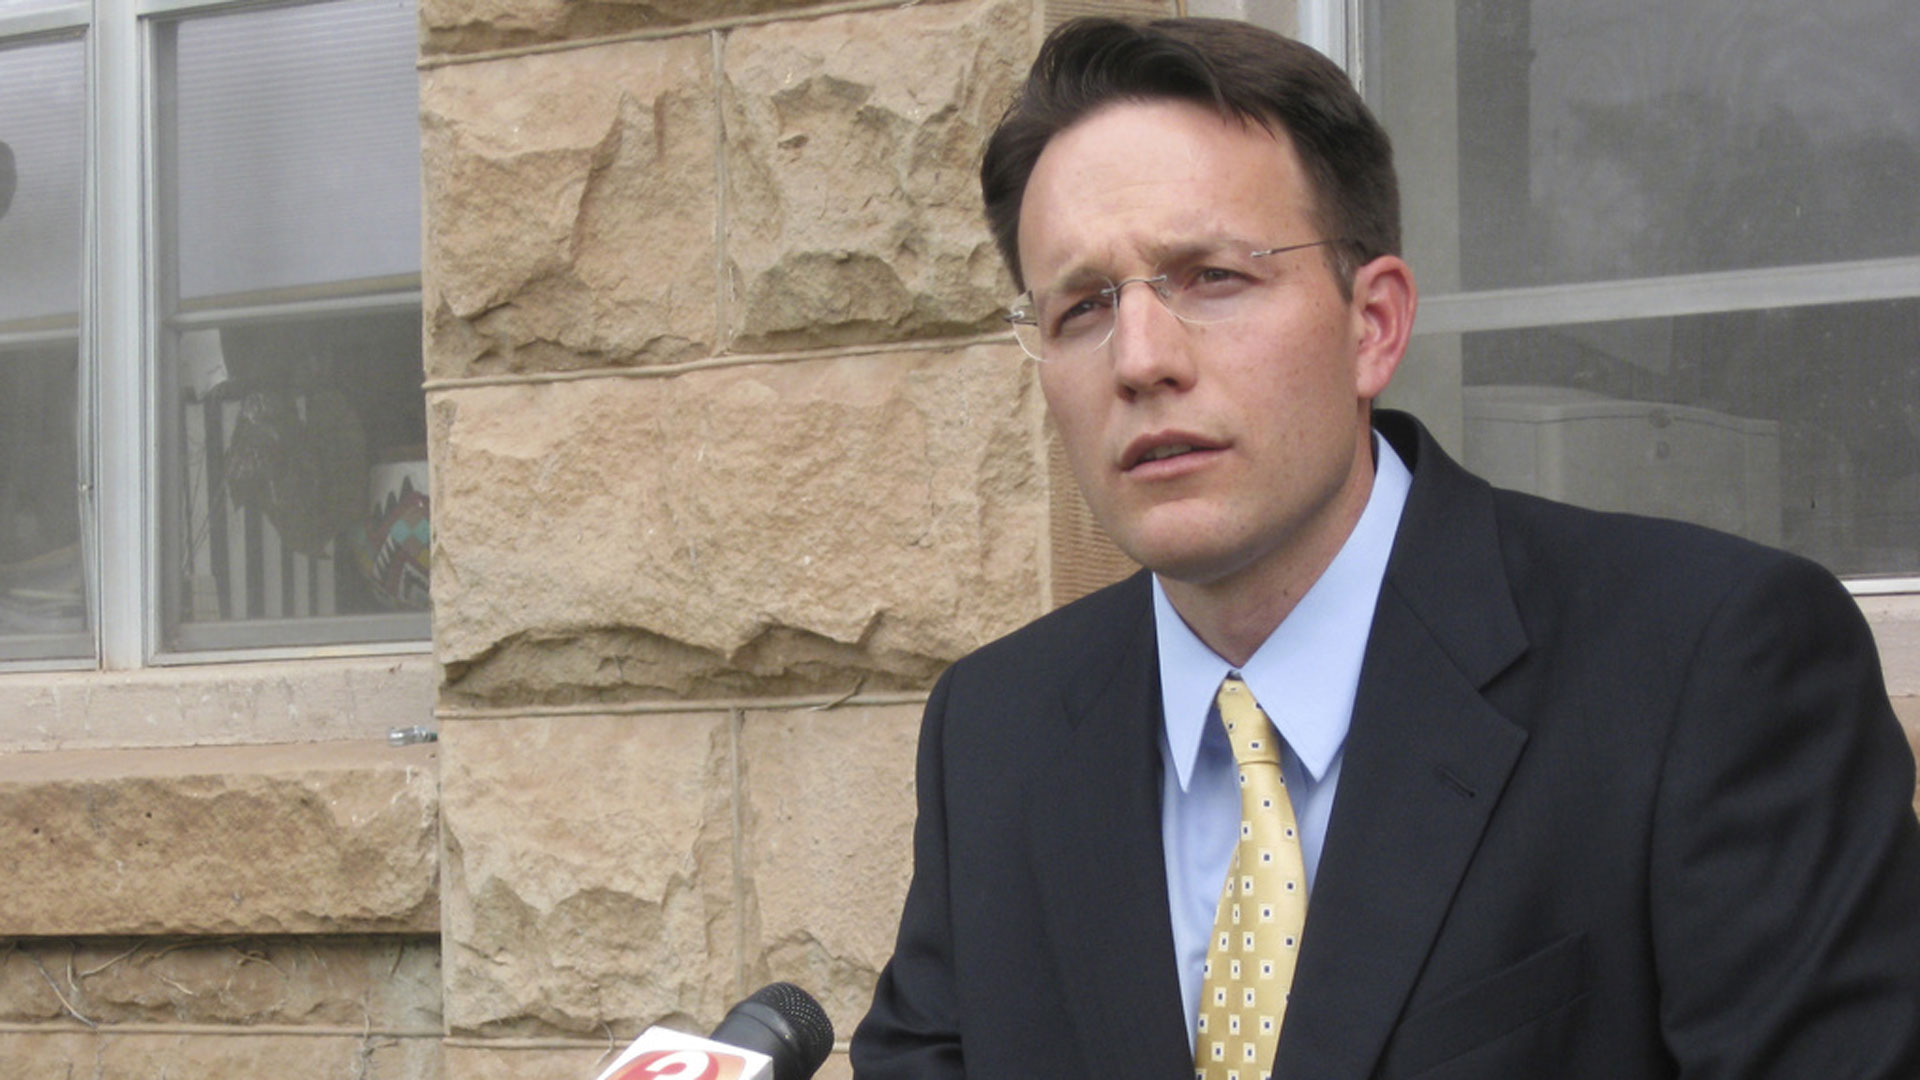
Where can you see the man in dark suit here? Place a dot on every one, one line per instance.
(1576, 796)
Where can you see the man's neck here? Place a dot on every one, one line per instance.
(1235, 613)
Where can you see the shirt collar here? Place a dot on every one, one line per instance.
(1307, 672)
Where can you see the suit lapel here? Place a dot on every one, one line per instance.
(1100, 867)
(1425, 763)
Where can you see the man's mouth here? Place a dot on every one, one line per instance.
(1159, 453)
(1147, 450)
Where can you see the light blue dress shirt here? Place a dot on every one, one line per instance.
(1305, 675)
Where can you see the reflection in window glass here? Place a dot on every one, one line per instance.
(1643, 138)
(297, 147)
(42, 597)
(16, 7)
(299, 503)
(43, 125)
(1560, 146)
(43, 609)
(1794, 427)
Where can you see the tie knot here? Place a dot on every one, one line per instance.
(1253, 736)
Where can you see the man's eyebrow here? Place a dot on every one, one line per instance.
(1078, 275)
(1159, 253)
(1187, 247)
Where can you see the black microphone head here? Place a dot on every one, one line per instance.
(783, 1022)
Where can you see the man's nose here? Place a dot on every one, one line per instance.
(1149, 347)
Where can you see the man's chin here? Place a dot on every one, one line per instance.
(1187, 563)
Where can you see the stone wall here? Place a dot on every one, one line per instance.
(216, 912)
(731, 456)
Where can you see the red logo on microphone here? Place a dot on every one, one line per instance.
(683, 1065)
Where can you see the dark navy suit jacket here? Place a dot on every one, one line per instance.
(1623, 799)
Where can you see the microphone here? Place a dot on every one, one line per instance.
(778, 1033)
(783, 1022)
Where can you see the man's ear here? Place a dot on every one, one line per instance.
(1384, 301)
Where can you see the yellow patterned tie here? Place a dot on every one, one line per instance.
(1263, 905)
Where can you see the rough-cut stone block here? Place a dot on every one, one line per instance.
(769, 528)
(387, 983)
(570, 208)
(853, 146)
(199, 1055)
(314, 838)
(453, 27)
(589, 873)
(466, 26)
(481, 1062)
(1896, 630)
(1908, 710)
(826, 847)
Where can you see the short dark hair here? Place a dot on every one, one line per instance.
(1239, 69)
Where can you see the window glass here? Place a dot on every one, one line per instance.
(1719, 419)
(43, 609)
(1722, 156)
(298, 500)
(43, 127)
(14, 7)
(296, 147)
(1643, 138)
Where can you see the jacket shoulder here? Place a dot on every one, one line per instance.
(1072, 636)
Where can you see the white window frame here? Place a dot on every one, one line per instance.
(120, 452)
(1332, 26)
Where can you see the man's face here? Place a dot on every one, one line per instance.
(1273, 403)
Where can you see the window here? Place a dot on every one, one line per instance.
(1670, 257)
(211, 421)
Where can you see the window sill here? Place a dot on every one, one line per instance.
(284, 701)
